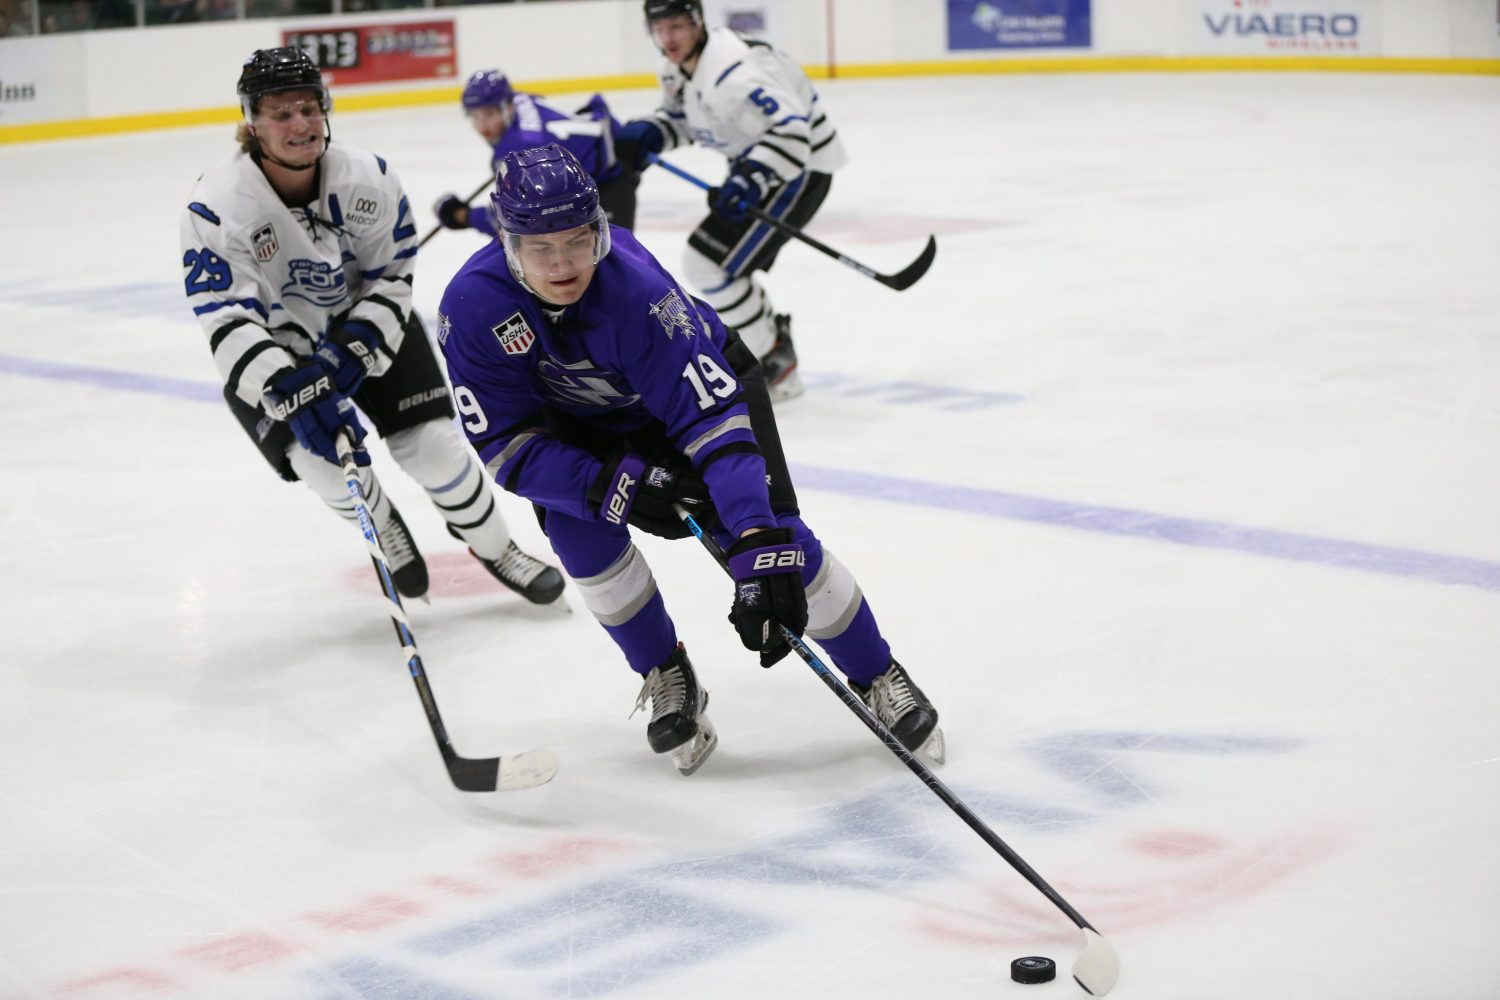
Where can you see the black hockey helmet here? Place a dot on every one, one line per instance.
(269, 71)
(657, 9)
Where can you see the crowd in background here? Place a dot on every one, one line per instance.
(29, 17)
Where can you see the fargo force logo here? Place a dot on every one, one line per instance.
(515, 334)
(314, 280)
(671, 312)
(263, 240)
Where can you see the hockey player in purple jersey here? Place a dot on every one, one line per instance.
(511, 121)
(590, 383)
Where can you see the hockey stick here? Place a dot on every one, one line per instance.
(900, 281)
(437, 228)
(1098, 967)
(507, 773)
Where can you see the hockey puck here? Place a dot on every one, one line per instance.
(1033, 969)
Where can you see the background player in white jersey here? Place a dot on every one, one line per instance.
(754, 104)
(299, 258)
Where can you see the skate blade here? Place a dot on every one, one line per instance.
(935, 748)
(691, 755)
(790, 387)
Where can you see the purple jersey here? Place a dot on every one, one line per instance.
(588, 135)
(634, 351)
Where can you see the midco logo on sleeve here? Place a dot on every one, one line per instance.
(1280, 27)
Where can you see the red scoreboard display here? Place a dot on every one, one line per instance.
(376, 53)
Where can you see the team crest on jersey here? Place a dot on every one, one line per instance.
(672, 314)
(445, 327)
(515, 334)
(263, 240)
(316, 281)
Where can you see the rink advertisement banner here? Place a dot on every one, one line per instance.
(1280, 27)
(1019, 24)
(41, 79)
(377, 53)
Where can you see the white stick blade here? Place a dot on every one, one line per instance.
(526, 770)
(1097, 969)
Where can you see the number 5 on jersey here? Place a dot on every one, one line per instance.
(705, 375)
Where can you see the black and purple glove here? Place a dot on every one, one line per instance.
(768, 591)
(306, 398)
(630, 490)
(451, 212)
(349, 354)
(746, 186)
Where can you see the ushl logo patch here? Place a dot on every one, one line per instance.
(515, 335)
(672, 313)
(263, 240)
(445, 327)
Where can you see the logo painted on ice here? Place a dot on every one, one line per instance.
(314, 280)
(515, 334)
(671, 312)
(264, 242)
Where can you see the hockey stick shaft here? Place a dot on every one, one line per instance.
(469, 774)
(1097, 970)
(436, 229)
(901, 280)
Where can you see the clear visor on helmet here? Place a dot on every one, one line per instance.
(556, 255)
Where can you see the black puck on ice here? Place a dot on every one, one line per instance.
(1033, 969)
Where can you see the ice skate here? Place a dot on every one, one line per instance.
(678, 723)
(906, 712)
(408, 569)
(527, 576)
(780, 363)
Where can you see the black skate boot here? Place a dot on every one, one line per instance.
(678, 723)
(905, 710)
(408, 569)
(780, 363)
(529, 577)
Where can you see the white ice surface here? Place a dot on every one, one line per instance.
(1187, 517)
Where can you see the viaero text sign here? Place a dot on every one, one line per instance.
(1279, 27)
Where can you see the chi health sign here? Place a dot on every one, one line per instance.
(1279, 27)
(1019, 24)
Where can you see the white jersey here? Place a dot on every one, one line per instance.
(748, 99)
(268, 282)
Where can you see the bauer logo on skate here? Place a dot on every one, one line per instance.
(515, 335)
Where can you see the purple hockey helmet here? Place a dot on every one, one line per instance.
(488, 87)
(545, 190)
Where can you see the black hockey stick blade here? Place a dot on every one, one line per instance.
(509, 773)
(909, 276)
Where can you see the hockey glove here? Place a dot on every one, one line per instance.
(349, 354)
(306, 398)
(637, 140)
(768, 590)
(631, 491)
(747, 185)
(451, 212)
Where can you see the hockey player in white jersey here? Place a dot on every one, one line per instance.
(298, 258)
(754, 104)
